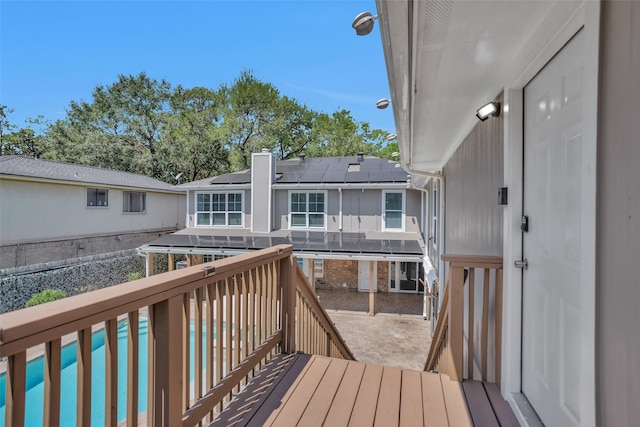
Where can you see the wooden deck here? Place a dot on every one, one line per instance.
(305, 390)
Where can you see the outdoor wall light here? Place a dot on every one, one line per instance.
(391, 137)
(383, 103)
(363, 24)
(490, 109)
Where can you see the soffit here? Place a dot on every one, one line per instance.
(445, 59)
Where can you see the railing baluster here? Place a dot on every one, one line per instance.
(236, 322)
(133, 341)
(197, 344)
(245, 319)
(52, 383)
(219, 335)
(228, 330)
(185, 322)
(111, 374)
(209, 345)
(471, 324)
(485, 323)
(15, 389)
(151, 366)
(83, 393)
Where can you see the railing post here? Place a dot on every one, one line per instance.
(288, 285)
(456, 318)
(167, 355)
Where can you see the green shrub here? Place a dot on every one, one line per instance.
(134, 276)
(47, 295)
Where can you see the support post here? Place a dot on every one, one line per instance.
(372, 297)
(167, 362)
(456, 319)
(288, 321)
(172, 262)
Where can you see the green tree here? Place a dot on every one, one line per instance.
(121, 128)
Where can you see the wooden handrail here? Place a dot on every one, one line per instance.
(304, 289)
(244, 309)
(446, 353)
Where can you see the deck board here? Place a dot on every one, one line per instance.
(411, 398)
(318, 407)
(296, 402)
(479, 406)
(364, 408)
(435, 411)
(303, 390)
(388, 408)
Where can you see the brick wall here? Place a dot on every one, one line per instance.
(42, 252)
(343, 274)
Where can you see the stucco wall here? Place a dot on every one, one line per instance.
(38, 211)
(618, 217)
(473, 218)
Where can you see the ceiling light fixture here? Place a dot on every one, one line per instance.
(363, 24)
(383, 103)
(490, 109)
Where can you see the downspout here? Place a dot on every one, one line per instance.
(340, 209)
(186, 221)
(440, 250)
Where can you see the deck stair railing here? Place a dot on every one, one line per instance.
(210, 328)
(454, 350)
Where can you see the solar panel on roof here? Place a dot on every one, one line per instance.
(357, 177)
(311, 177)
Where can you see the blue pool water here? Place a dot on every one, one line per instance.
(35, 381)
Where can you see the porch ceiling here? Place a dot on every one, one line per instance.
(444, 60)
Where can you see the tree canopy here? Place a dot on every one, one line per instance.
(143, 125)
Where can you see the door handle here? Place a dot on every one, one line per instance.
(522, 264)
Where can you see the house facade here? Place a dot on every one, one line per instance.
(51, 211)
(352, 221)
(548, 183)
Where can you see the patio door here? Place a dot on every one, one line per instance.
(552, 216)
(403, 276)
(364, 276)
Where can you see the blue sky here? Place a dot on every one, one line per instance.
(54, 52)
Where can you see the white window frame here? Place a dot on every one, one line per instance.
(226, 211)
(126, 201)
(384, 209)
(306, 226)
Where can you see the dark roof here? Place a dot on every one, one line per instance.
(322, 170)
(61, 171)
(302, 241)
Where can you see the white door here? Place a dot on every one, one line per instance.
(364, 276)
(551, 347)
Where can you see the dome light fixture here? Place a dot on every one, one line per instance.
(383, 103)
(363, 24)
(490, 109)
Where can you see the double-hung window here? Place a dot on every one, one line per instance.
(393, 206)
(308, 209)
(219, 209)
(134, 201)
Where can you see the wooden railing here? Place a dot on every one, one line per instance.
(234, 313)
(453, 347)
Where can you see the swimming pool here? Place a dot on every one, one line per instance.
(35, 380)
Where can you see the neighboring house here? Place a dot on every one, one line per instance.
(565, 149)
(346, 217)
(52, 211)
